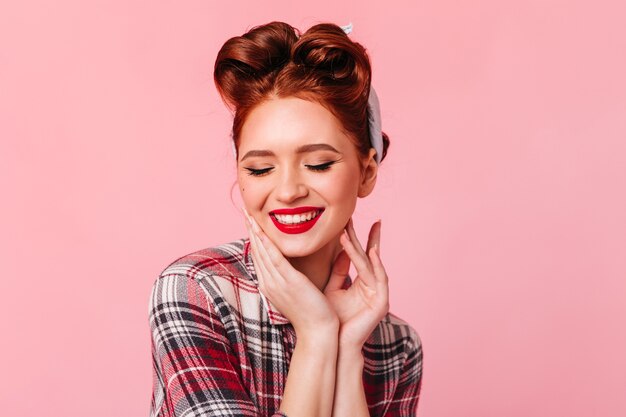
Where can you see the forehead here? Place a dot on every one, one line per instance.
(290, 122)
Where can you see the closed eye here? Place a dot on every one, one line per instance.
(321, 167)
(261, 172)
(258, 172)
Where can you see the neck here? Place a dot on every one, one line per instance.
(317, 266)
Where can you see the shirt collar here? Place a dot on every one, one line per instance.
(274, 316)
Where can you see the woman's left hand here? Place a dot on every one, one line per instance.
(366, 302)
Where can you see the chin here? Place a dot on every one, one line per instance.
(295, 249)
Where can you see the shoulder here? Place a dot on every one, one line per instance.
(227, 259)
(218, 274)
(397, 334)
(394, 349)
(221, 266)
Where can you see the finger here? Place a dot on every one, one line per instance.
(382, 281)
(260, 270)
(254, 237)
(377, 265)
(340, 269)
(361, 262)
(264, 274)
(373, 237)
(259, 267)
(358, 258)
(273, 259)
(261, 261)
(354, 238)
(247, 216)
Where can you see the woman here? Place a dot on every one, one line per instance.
(272, 324)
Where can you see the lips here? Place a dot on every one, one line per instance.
(300, 227)
(296, 210)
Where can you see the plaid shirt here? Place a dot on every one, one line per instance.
(220, 348)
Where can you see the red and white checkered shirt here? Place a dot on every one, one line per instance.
(220, 348)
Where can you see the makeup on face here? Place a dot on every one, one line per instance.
(296, 166)
(296, 220)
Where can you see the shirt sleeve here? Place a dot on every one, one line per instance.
(406, 396)
(195, 371)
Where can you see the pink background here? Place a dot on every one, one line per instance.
(502, 198)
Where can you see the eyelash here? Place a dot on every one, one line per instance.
(318, 168)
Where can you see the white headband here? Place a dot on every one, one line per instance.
(374, 118)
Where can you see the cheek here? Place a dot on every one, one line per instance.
(249, 192)
(338, 188)
(254, 193)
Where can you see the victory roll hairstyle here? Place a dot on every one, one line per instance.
(322, 65)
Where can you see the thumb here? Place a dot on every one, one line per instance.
(340, 270)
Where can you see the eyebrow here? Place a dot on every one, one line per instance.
(301, 149)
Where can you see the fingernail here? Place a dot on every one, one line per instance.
(255, 226)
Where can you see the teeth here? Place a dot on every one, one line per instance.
(296, 218)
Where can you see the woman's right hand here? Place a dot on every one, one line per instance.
(289, 290)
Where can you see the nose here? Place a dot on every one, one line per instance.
(290, 186)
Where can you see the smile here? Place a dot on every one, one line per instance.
(296, 218)
(292, 221)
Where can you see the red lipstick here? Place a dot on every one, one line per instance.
(300, 227)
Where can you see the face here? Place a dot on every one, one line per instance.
(293, 155)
